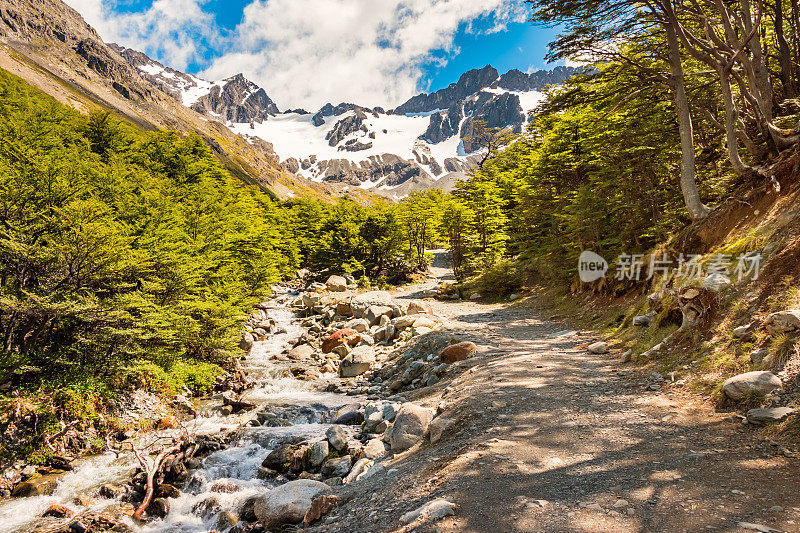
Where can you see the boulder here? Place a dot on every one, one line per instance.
(360, 325)
(419, 307)
(288, 503)
(300, 353)
(311, 300)
(773, 415)
(438, 426)
(715, 282)
(357, 362)
(343, 337)
(409, 427)
(783, 322)
(757, 382)
(598, 347)
(343, 309)
(360, 303)
(246, 342)
(757, 357)
(318, 453)
(430, 512)
(39, 486)
(336, 284)
(320, 506)
(375, 449)
(57, 511)
(375, 312)
(337, 466)
(424, 322)
(158, 508)
(337, 436)
(361, 466)
(644, 320)
(743, 332)
(457, 352)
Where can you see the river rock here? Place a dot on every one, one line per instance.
(758, 382)
(773, 415)
(360, 303)
(337, 466)
(357, 362)
(361, 466)
(278, 459)
(337, 436)
(158, 508)
(246, 342)
(320, 506)
(432, 511)
(311, 300)
(57, 511)
(288, 503)
(783, 322)
(336, 284)
(375, 449)
(375, 312)
(302, 352)
(409, 427)
(598, 347)
(343, 337)
(360, 325)
(457, 352)
(39, 486)
(226, 519)
(419, 307)
(317, 453)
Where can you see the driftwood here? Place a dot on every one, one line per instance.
(58, 435)
(151, 470)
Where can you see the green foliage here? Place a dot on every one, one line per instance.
(120, 246)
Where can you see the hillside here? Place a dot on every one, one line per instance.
(49, 45)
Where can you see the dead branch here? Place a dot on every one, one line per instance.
(151, 471)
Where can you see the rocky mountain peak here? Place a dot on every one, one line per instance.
(237, 99)
(468, 84)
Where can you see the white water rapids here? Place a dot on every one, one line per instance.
(236, 465)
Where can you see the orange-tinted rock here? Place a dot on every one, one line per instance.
(344, 336)
(457, 352)
(168, 422)
(320, 506)
(57, 511)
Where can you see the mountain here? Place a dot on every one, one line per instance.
(425, 142)
(49, 45)
(339, 149)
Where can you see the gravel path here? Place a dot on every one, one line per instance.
(551, 438)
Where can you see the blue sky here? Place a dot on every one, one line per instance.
(308, 52)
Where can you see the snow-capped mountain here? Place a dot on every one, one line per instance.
(425, 142)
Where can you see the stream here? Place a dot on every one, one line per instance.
(227, 478)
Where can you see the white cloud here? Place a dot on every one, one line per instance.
(172, 31)
(308, 52)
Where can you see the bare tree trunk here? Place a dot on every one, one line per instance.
(697, 210)
(731, 119)
(784, 53)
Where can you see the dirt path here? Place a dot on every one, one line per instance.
(542, 419)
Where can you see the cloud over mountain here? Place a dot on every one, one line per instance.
(308, 52)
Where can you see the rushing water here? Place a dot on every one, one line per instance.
(228, 477)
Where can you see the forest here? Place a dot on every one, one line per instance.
(132, 257)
